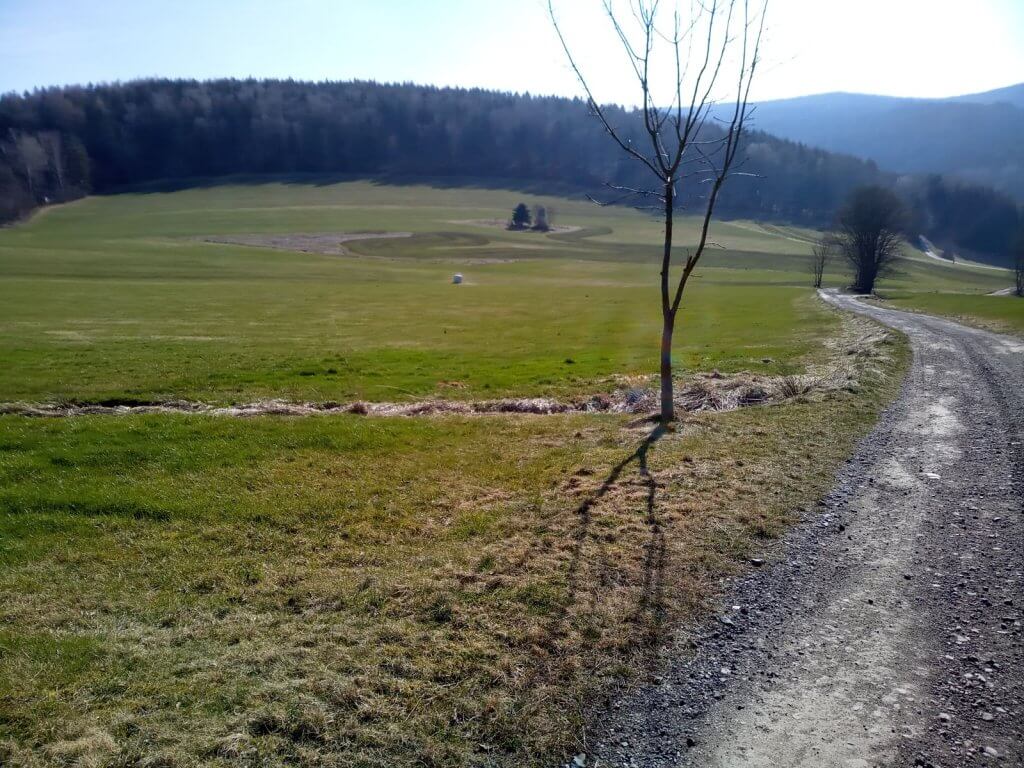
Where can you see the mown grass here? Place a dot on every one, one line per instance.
(119, 298)
(376, 332)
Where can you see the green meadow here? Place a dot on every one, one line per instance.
(1003, 314)
(120, 298)
(341, 590)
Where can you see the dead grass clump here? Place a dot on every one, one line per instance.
(439, 609)
(235, 747)
(794, 386)
(301, 721)
(702, 396)
(754, 394)
(92, 748)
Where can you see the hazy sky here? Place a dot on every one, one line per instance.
(898, 47)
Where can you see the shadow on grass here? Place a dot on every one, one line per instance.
(649, 613)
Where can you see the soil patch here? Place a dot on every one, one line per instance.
(325, 242)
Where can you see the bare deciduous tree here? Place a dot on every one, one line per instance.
(821, 255)
(1018, 270)
(869, 235)
(541, 218)
(30, 159)
(53, 145)
(682, 146)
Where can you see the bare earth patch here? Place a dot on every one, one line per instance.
(324, 242)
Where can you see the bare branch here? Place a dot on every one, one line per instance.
(625, 146)
(735, 132)
(684, 153)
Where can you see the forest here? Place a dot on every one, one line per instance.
(57, 144)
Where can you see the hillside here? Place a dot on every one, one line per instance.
(1011, 94)
(58, 144)
(974, 137)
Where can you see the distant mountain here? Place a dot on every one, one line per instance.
(1011, 94)
(976, 137)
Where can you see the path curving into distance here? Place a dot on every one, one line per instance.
(888, 632)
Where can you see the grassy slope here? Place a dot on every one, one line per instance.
(961, 294)
(118, 298)
(1004, 314)
(115, 297)
(405, 592)
(371, 592)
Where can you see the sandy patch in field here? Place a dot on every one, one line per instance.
(332, 243)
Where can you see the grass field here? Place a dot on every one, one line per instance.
(444, 591)
(1004, 314)
(119, 298)
(967, 302)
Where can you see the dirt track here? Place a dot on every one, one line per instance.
(887, 628)
(331, 243)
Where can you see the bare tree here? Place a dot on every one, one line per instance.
(53, 146)
(1018, 270)
(821, 255)
(869, 235)
(681, 146)
(541, 219)
(29, 158)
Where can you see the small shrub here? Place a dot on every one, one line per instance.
(791, 386)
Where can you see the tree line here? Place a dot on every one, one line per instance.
(60, 143)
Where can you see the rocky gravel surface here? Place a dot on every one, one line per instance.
(887, 629)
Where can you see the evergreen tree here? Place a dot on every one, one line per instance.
(521, 217)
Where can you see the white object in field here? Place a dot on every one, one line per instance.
(456, 278)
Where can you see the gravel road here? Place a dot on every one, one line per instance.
(887, 629)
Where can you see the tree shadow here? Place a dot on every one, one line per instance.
(649, 614)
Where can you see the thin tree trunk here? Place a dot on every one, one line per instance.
(673, 129)
(668, 315)
(667, 401)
